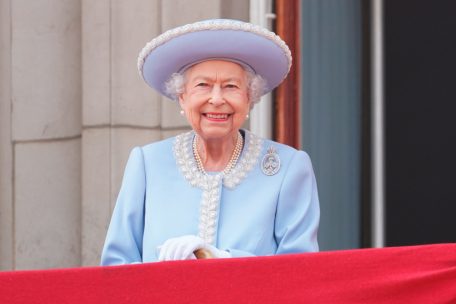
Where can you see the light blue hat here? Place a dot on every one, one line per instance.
(250, 45)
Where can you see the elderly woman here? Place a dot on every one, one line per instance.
(218, 187)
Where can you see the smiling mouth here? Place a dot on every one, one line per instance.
(217, 116)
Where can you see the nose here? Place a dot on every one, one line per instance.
(216, 97)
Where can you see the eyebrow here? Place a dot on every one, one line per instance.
(206, 78)
(232, 79)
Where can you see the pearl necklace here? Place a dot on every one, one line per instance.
(233, 160)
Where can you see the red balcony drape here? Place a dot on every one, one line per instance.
(417, 274)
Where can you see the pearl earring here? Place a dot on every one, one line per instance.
(182, 112)
(247, 116)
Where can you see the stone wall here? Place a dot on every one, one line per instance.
(72, 106)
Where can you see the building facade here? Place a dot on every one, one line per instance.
(72, 105)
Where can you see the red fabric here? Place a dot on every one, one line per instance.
(417, 274)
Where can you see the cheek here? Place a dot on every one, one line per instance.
(241, 113)
(243, 107)
(189, 106)
(192, 114)
(239, 101)
(194, 118)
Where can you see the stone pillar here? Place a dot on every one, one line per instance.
(46, 128)
(120, 111)
(6, 145)
(96, 118)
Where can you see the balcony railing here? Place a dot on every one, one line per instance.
(416, 274)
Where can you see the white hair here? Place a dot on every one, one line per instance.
(256, 86)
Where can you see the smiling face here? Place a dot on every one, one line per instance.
(215, 98)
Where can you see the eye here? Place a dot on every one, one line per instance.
(231, 86)
(202, 84)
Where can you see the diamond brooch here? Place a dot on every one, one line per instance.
(270, 164)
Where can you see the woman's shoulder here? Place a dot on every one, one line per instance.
(283, 149)
(159, 153)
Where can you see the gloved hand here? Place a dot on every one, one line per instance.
(182, 248)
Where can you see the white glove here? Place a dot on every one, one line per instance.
(182, 248)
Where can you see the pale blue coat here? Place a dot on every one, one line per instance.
(262, 215)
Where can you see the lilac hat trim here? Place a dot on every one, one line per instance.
(248, 44)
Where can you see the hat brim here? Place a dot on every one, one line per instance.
(260, 53)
